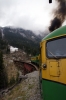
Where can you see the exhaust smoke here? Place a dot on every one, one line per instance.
(59, 15)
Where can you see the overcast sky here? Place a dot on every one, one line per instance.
(28, 14)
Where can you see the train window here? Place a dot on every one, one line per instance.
(56, 48)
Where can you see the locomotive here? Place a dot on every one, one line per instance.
(35, 60)
(53, 65)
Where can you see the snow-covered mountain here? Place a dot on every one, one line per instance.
(22, 32)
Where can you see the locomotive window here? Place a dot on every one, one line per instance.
(56, 48)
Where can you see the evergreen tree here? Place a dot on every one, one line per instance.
(1, 60)
(8, 49)
(3, 75)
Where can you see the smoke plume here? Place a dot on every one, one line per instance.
(59, 15)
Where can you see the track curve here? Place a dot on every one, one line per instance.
(25, 67)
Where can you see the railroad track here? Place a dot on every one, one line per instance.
(25, 67)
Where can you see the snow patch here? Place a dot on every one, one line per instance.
(32, 37)
(23, 34)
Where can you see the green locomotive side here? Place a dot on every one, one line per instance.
(53, 90)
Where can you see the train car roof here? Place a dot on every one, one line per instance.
(58, 32)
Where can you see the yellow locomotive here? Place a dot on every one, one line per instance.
(35, 60)
(53, 65)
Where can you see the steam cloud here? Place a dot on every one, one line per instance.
(59, 15)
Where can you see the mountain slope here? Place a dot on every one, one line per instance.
(23, 39)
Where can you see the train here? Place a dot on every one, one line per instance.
(35, 60)
(53, 65)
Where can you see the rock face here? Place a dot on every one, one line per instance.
(10, 68)
(28, 89)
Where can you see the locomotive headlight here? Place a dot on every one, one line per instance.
(44, 66)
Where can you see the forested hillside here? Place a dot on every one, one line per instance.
(23, 39)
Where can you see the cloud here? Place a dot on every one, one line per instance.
(29, 14)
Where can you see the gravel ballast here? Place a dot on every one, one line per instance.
(28, 89)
